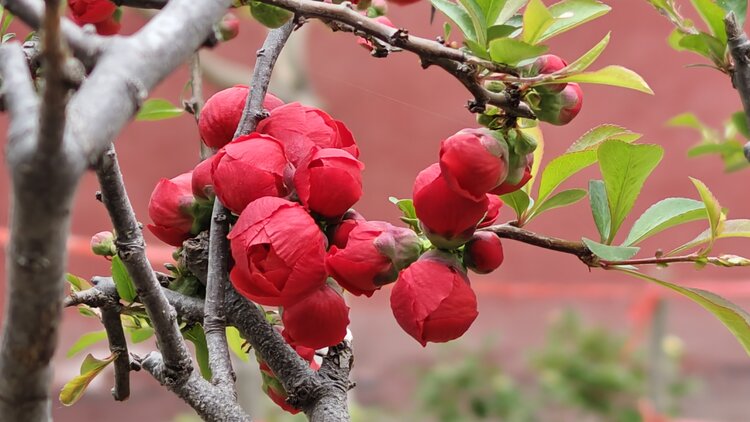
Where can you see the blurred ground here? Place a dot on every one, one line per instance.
(398, 114)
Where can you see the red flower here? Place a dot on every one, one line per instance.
(473, 162)
(364, 42)
(201, 183)
(448, 218)
(518, 176)
(318, 320)
(432, 300)
(329, 181)
(544, 65)
(170, 209)
(222, 114)
(279, 252)
(338, 234)
(301, 128)
(561, 107)
(91, 11)
(248, 168)
(371, 256)
(484, 253)
(109, 26)
(493, 211)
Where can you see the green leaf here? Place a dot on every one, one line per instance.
(730, 228)
(713, 210)
(7, 20)
(458, 15)
(158, 109)
(562, 199)
(713, 15)
(599, 134)
(610, 75)
(536, 20)
(405, 205)
(122, 280)
(269, 16)
(90, 368)
(500, 31)
(77, 283)
(664, 214)
(141, 334)
(625, 167)
(509, 10)
(739, 7)
(600, 208)
(511, 51)
(732, 316)
(235, 342)
(706, 45)
(85, 341)
(582, 63)
(477, 19)
(739, 120)
(688, 120)
(570, 14)
(610, 253)
(561, 168)
(196, 336)
(518, 200)
(477, 49)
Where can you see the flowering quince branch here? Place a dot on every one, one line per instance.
(739, 48)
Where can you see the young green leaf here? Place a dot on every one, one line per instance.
(713, 211)
(610, 253)
(235, 342)
(509, 9)
(478, 20)
(570, 14)
(141, 334)
(688, 120)
(196, 336)
(77, 283)
(536, 133)
(706, 45)
(732, 316)
(731, 228)
(85, 341)
(562, 199)
(625, 167)
(739, 7)
(269, 16)
(600, 208)
(511, 51)
(599, 134)
(458, 15)
(561, 168)
(500, 31)
(158, 109)
(610, 75)
(739, 120)
(122, 280)
(90, 368)
(518, 200)
(664, 214)
(582, 63)
(477, 49)
(713, 15)
(536, 20)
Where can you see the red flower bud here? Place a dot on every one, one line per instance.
(448, 218)
(318, 320)
(329, 181)
(91, 11)
(170, 209)
(403, 2)
(432, 300)
(248, 168)
(222, 113)
(493, 211)
(562, 107)
(279, 252)
(229, 27)
(300, 128)
(518, 176)
(103, 244)
(201, 182)
(372, 255)
(338, 234)
(364, 42)
(484, 253)
(544, 65)
(109, 26)
(473, 162)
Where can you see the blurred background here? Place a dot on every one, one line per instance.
(553, 340)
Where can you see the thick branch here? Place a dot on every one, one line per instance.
(86, 47)
(739, 48)
(43, 187)
(55, 92)
(131, 249)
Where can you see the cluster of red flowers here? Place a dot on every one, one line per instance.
(103, 14)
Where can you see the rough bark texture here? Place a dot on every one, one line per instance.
(739, 48)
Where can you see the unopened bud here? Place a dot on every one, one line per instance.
(103, 244)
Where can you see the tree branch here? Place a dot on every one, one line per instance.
(739, 48)
(507, 231)
(43, 187)
(55, 91)
(131, 249)
(86, 47)
(117, 344)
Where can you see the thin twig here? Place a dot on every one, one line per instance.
(507, 231)
(739, 48)
(117, 344)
